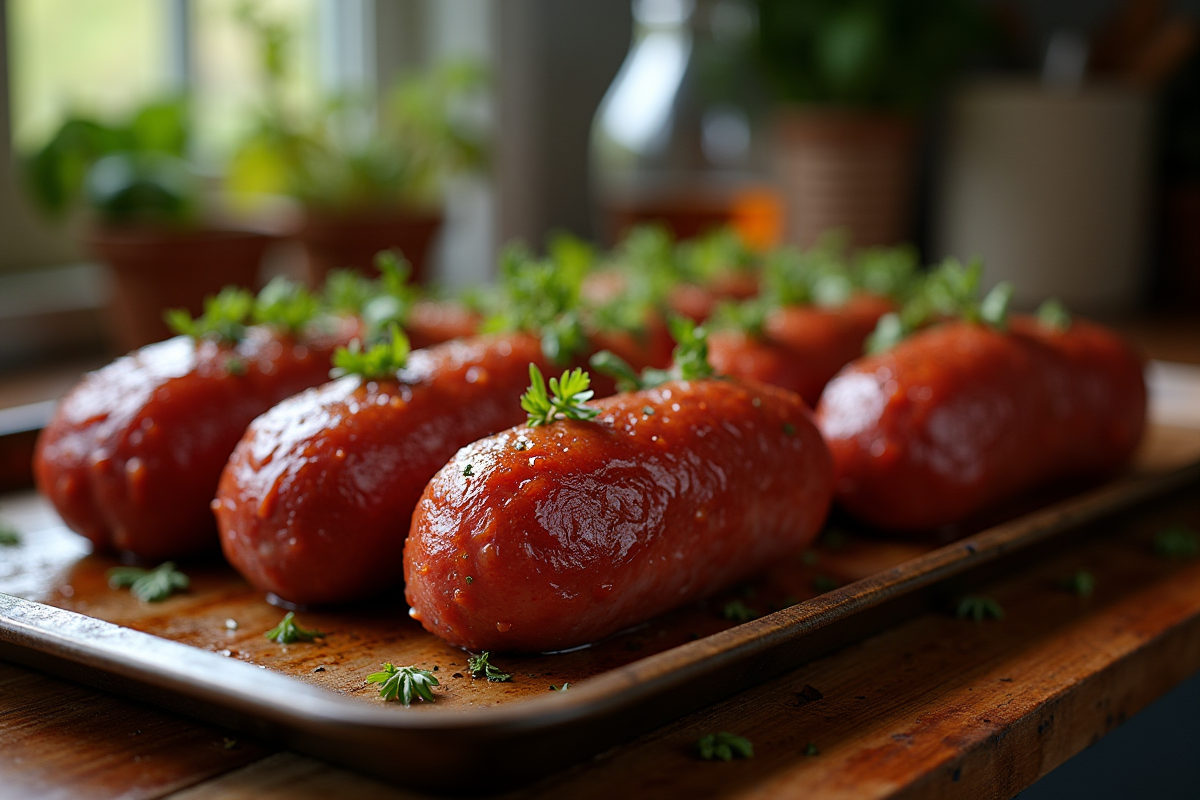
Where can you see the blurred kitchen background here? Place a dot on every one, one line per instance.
(155, 148)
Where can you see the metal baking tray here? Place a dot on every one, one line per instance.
(58, 615)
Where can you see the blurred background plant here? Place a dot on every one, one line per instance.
(868, 54)
(129, 170)
(356, 151)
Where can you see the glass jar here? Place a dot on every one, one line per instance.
(676, 138)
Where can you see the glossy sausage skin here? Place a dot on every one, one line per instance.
(133, 453)
(958, 418)
(565, 534)
(316, 500)
(802, 347)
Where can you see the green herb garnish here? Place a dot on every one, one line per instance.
(541, 296)
(481, 666)
(9, 536)
(689, 360)
(1082, 583)
(224, 318)
(405, 683)
(737, 611)
(150, 586)
(811, 749)
(1053, 315)
(1177, 542)
(288, 632)
(952, 291)
(378, 361)
(468, 471)
(565, 400)
(978, 608)
(285, 305)
(748, 316)
(724, 747)
(562, 688)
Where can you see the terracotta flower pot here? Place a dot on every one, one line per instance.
(338, 241)
(154, 270)
(845, 170)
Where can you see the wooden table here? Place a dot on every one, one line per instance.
(937, 707)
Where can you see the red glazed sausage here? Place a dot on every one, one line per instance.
(431, 322)
(316, 499)
(960, 417)
(802, 347)
(133, 453)
(564, 534)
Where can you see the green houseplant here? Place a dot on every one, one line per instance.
(852, 77)
(145, 215)
(367, 172)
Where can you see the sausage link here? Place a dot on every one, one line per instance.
(961, 417)
(802, 347)
(546, 538)
(133, 453)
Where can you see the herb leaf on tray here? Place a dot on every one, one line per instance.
(287, 631)
(149, 586)
(724, 747)
(482, 667)
(404, 683)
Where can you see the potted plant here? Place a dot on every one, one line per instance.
(145, 216)
(367, 173)
(852, 77)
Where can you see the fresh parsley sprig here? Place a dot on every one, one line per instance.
(288, 632)
(724, 747)
(747, 316)
(952, 291)
(1053, 315)
(564, 401)
(224, 319)
(404, 683)
(481, 666)
(150, 586)
(285, 305)
(382, 360)
(689, 360)
(541, 296)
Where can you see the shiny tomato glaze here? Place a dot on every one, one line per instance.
(546, 538)
(133, 453)
(960, 417)
(802, 347)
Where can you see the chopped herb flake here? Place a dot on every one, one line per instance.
(149, 586)
(469, 580)
(724, 747)
(1177, 542)
(811, 750)
(789, 429)
(9, 537)
(468, 471)
(562, 688)
(480, 666)
(738, 611)
(288, 632)
(978, 608)
(1082, 583)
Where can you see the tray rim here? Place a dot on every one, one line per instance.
(209, 685)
